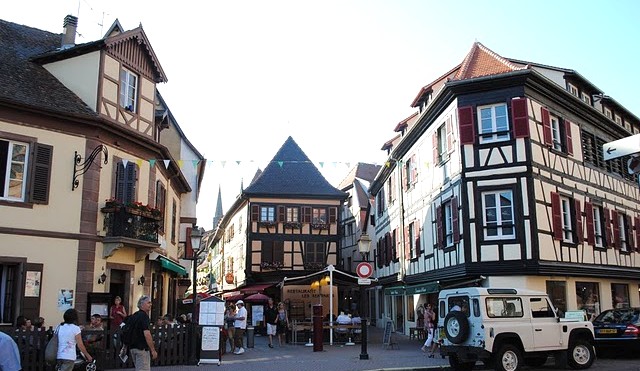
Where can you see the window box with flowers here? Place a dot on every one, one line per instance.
(271, 265)
(267, 224)
(313, 266)
(134, 208)
(319, 226)
(292, 225)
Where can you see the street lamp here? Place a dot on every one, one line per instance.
(364, 247)
(195, 239)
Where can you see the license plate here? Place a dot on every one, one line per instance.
(607, 331)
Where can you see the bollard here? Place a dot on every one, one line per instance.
(250, 336)
(317, 328)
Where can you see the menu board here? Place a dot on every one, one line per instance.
(210, 338)
(211, 313)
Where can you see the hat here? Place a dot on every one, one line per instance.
(240, 302)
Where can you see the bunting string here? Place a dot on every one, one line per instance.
(281, 163)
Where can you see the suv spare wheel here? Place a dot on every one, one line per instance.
(456, 326)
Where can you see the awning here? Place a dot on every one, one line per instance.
(425, 288)
(171, 266)
(255, 289)
(394, 291)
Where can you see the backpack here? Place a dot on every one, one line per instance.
(126, 334)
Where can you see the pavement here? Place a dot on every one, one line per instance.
(406, 355)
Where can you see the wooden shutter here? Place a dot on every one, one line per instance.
(407, 244)
(255, 213)
(188, 248)
(387, 248)
(394, 247)
(40, 177)
(120, 182)
(414, 169)
(449, 135)
(333, 214)
(567, 137)
(520, 116)
(578, 212)
(439, 227)
(306, 214)
(546, 126)
(455, 224)
(628, 232)
(607, 227)
(379, 260)
(556, 212)
(416, 231)
(616, 229)
(637, 227)
(31, 304)
(591, 237)
(281, 214)
(130, 183)
(466, 125)
(434, 142)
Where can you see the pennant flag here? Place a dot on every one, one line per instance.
(321, 164)
(280, 163)
(139, 162)
(426, 164)
(387, 164)
(348, 164)
(195, 163)
(180, 163)
(223, 163)
(238, 162)
(152, 162)
(125, 163)
(166, 163)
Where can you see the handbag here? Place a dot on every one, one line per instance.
(51, 351)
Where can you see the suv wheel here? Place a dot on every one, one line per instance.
(580, 355)
(508, 358)
(456, 327)
(456, 365)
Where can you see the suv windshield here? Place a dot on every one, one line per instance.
(620, 316)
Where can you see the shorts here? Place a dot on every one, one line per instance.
(271, 329)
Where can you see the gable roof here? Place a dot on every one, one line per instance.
(361, 170)
(291, 174)
(27, 83)
(482, 61)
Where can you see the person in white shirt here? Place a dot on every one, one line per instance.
(343, 319)
(69, 336)
(240, 325)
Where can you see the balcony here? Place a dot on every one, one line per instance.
(131, 223)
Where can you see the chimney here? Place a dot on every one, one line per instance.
(69, 31)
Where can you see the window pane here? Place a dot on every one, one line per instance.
(19, 153)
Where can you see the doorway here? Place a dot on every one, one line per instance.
(118, 286)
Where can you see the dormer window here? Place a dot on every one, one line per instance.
(586, 98)
(573, 90)
(128, 90)
(607, 112)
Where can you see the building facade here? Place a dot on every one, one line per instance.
(499, 180)
(91, 200)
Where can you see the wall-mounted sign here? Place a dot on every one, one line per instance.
(32, 284)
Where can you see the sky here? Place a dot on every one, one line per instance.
(337, 76)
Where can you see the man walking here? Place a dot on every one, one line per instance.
(271, 318)
(240, 325)
(141, 341)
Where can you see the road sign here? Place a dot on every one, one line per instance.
(621, 147)
(364, 281)
(364, 270)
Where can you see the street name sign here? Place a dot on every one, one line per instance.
(621, 147)
(364, 281)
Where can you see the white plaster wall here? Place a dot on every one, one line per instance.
(80, 75)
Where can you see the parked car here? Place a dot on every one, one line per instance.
(617, 329)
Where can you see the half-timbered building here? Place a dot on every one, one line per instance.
(284, 224)
(91, 200)
(499, 180)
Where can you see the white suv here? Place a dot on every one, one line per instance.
(507, 328)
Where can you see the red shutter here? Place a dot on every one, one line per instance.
(607, 227)
(579, 231)
(591, 237)
(520, 116)
(378, 254)
(333, 215)
(616, 229)
(389, 247)
(188, 249)
(567, 136)
(556, 212)
(407, 244)
(416, 231)
(637, 226)
(306, 214)
(466, 125)
(629, 233)
(454, 220)
(414, 169)
(281, 215)
(255, 213)
(439, 226)
(449, 135)
(434, 141)
(546, 126)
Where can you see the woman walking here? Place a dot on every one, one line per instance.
(68, 338)
(229, 319)
(429, 327)
(283, 322)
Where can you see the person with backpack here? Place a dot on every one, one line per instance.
(137, 336)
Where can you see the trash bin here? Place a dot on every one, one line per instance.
(250, 335)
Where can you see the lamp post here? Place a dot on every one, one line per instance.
(195, 238)
(364, 247)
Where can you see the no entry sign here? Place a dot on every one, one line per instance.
(364, 270)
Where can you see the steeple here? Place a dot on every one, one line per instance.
(218, 215)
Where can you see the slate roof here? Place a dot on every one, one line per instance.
(362, 170)
(292, 174)
(27, 83)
